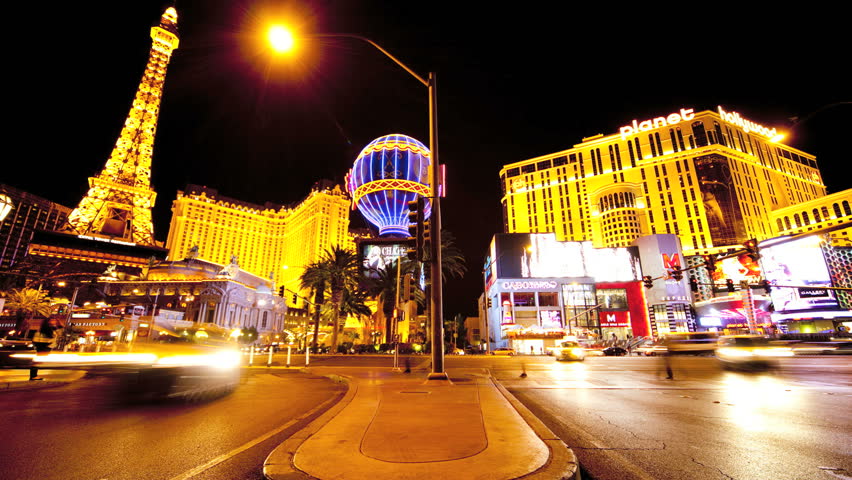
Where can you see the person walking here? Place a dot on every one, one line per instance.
(43, 339)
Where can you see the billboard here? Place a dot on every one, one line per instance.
(540, 255)
(799, 274)
(377, 254)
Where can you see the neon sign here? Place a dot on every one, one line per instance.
(645, 125)
(528, 285)
(747, 126)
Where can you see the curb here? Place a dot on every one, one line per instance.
(279, 463)
(562, 464)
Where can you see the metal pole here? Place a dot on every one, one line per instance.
(288, 356)
(436, 301)
(68, 317)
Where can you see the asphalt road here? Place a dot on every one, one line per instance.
(624, 420)
(78, 431)
(621, 417)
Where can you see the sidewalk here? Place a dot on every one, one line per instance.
(16, 379)
(394, 425)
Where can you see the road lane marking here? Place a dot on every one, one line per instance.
(226, 456)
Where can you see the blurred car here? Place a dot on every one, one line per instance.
(503, 351)
(614, 351)
(749, 352)
(650, 349)
(9, 347)
(457, 351)
(570, 351)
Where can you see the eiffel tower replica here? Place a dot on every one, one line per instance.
(113, 224)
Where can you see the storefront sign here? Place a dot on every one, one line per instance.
(734, 118)
(645, 125)
(529, 285)
(812, 292)
(615, 319)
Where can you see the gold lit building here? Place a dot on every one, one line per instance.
(713, 178)
(270, 241)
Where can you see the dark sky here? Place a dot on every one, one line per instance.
(515, 80)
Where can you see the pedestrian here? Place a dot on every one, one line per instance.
(42, 341)
(532, 350)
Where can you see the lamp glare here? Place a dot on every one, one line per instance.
(281, 39)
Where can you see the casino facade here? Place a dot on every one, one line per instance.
(712, 180)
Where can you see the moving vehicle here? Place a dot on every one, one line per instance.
(570, 351)
(10, 347)
(614, 351)
(503, 351)
(650, 349)
(749, 352)
(691, 343)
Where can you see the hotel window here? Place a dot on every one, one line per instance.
(524, 299)
(638, 148)
(700, 134)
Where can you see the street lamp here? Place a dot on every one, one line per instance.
(284, 39)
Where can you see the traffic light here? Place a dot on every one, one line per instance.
(415, 227)
(766, 286)
(729, 284)
(709, 263)
(693, 284)
(295, 299)
(281, 291)
(489, 302)
(752, 249)
(648, 281)
(407, 291)
(677, 274)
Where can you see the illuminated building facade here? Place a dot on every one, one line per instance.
(712, 178)
(271, 241)
(25, 214)
(539, 290)
(223, 296)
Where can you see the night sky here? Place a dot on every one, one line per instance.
(515, 80)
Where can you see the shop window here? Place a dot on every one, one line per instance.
(548, 299)
(524, 299)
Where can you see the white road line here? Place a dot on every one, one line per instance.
(221, 458)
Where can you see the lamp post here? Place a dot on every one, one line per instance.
(283, 40)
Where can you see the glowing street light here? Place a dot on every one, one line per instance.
(280, 38)
(436, 302)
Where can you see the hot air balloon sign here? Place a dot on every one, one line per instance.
(388, 173)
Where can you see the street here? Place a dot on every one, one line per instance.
(619, 415)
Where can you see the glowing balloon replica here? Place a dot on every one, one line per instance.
(388, 173)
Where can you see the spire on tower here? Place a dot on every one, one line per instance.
(119, 200)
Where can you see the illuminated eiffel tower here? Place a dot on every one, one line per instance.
(119, 201)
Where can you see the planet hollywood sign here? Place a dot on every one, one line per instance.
(528, 285)
(686, 114)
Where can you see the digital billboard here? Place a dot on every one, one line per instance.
(799, 274)
(376, 255)
(540, 255)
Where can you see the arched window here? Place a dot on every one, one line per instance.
(787, 223)
(796, 220)
(846, 208)
(780, 224)
(816, 215)
(805, 219)
(837, 213)
(825, 214)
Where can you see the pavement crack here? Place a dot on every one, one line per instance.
(707, 466)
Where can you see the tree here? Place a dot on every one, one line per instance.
(312, 279)
(335, 271)
(27, 303)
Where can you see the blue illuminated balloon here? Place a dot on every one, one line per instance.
(388, 173)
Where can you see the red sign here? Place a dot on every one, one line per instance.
(615, 319)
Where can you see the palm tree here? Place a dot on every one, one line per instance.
(353, 303)
(27, 303)
(336, 270)
(313, 279)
